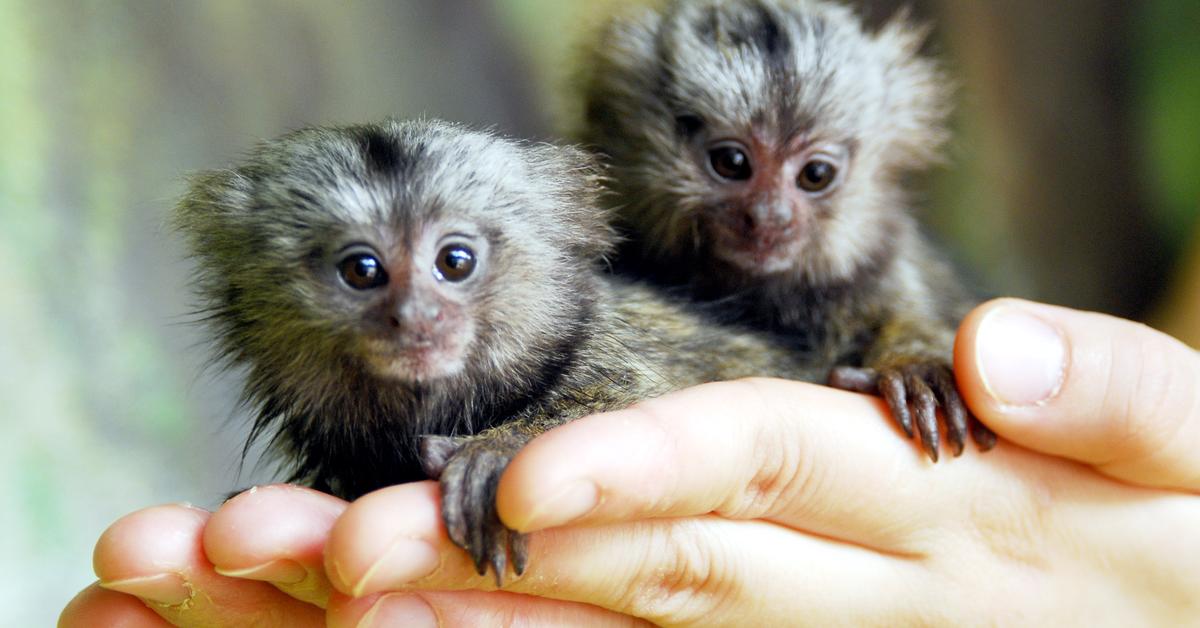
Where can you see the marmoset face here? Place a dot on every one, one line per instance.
(763, 133)
(412, 296)
(417, 252)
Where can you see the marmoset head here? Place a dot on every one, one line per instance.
(408, 253)
(767, 134)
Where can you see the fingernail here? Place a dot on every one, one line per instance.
(283, 571)
(405, 560)
(574, 501)
(399, 609)
(1021, 358)
(168, 588)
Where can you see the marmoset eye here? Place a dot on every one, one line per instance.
(455, 262)
(362, 271)
(816, 175)
(730, 162)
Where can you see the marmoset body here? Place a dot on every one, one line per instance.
(416, 299)
(755, 150)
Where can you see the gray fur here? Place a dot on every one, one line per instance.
(540, 335)
(859, 286)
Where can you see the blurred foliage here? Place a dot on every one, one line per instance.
(104, 106)
(1167, 80)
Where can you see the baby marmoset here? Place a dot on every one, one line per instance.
(755, 149)
(417, 299)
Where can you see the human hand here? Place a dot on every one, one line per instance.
(1004, 536)
(257, 561)
(768, 502)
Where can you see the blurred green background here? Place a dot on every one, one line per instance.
(1072, 179)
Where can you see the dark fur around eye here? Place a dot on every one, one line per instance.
(688, 125)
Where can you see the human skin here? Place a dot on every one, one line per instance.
(757, 501)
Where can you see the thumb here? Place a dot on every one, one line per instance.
(1101, 390)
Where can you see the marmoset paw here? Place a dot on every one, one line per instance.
(913, 391)
(468, 469)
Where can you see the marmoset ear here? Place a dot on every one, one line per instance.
(574, 179)
(211, 216)
(915, 116)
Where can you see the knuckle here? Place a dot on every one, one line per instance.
(688, 576)
(780, 471)
(761, 494)
(1154, 409)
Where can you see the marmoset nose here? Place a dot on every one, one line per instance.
(417, 316)
(417, 310)
(767, 220)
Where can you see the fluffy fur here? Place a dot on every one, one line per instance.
(538, 335)
(853, 283)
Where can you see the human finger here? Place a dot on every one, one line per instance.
(95, 606)
(749, 449)
(668, 571)
(1108, 392)
(275, 534)
(451, 609)
(157, 555)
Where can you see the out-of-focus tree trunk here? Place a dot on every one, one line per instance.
(1054, 105)
(1055, 193)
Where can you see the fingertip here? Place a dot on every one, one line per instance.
(149, 543)
(558, 478)
(95, 606)
(274, 533)
(1097, 389)
(385, 539)
(157, 555)
(1011, 361)
(518, 494)
(572, 502)
(1016, 354)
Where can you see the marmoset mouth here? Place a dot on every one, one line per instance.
(757, 257)
(422, 360)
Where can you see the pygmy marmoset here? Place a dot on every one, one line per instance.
(755, 150)
(417, 299)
